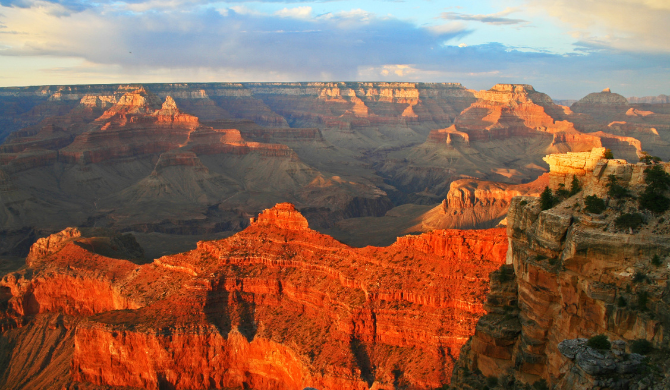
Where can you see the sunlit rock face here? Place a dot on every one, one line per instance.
(277, 305)
(478, 204)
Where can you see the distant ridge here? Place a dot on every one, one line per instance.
(660, 99)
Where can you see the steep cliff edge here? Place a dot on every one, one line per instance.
(478, 204)
(276, 306)
(578, 274)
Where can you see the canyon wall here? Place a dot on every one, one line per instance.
(276, 306)
(574, 275)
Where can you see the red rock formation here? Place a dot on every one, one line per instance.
(449, 135)
(478, 204)
(283, 216)
(500, 137)
(507, 110)
(276, 306)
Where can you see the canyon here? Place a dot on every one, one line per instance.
(293, 235)
(192, 161)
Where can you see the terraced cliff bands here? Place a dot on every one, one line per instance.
(199, 159)
(276, 306)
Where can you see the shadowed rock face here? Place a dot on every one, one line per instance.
(277, 306)
(601, 105)
(478, 204)
(574, 276)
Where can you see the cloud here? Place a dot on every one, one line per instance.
(133, 42)
(133, 5)
(561, 76)
(297, 12)
(447, 28)
(335, 44)
(630, 25)
(495, 19)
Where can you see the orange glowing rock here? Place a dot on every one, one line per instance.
(277, 306)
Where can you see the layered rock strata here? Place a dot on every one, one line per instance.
(501, 137)
(277, 306)
(472, 203)
(578, 275)
(131, 160)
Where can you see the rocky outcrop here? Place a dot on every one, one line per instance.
(599, 368)
(491, 349)
(283, 216)
(593, 171)
(579, 275)
(478, 204)
(601, 105)
(276, 306)
(508, 110)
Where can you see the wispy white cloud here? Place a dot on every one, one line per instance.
(447, 28)
(631, 25)
(499, 18)
(289, 42)
(297, 12)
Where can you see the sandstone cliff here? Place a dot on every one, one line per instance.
(577, 275)
(277, 306)
(477, 204)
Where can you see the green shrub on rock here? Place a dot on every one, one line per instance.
(621, 302)
(547, 199)
(641, 346)
(541, 385)
(656, 261)
(575, 186)
(594, 205)
(658, 181)
(599, 342)
(639, 277)
(614, 189)
(654, 201)
(629, 220)
(642, 299)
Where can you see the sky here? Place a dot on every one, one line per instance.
(565, 48)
